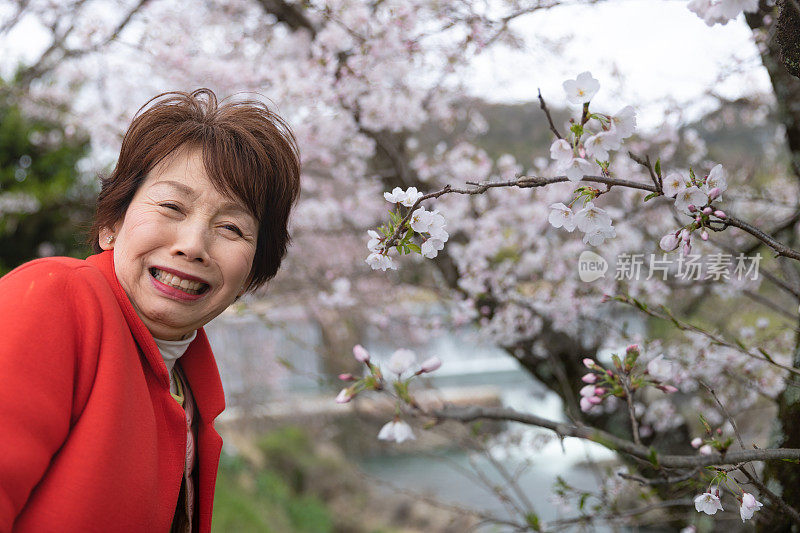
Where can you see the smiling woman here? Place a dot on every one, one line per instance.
(108, 387)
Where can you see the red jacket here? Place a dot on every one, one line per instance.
(90, 437)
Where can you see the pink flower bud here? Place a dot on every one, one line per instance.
(362, 355)
(687, 249)
(347, 377)
(692, 208)
(632, 348)
(720, 214)
(705, 449)
(697, 442)
(588, 363)
(669, 389)
(698, 219)
(686, 235)
(587, 391)
(595, 400)
(713, 194)
(707, 210)
(704, 235)
(589, 378)
(586, 405)
(344, 396)
(668, 242)
(599, 391)
(430, 364)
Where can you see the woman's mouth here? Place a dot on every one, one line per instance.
(188, 286)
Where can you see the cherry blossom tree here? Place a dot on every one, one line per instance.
(497, 242)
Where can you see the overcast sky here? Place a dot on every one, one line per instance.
(644, 52)
(659, 48)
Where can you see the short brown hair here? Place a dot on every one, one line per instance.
(249, 153)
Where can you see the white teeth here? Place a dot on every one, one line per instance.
(192, 287)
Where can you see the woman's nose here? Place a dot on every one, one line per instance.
(191, 242)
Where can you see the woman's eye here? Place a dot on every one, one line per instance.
(171, 206)
(234, 229)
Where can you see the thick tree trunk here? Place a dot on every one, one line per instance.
(776, 47)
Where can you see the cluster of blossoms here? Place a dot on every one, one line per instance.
(586, 152)
(694, 197)
(626, 377)
(721, 11)
(594, 222)
(422, 222)
(709, 503)
(403, 364)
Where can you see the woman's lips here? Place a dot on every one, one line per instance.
(176, 286)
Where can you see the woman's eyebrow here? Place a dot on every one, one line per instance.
(182, 187)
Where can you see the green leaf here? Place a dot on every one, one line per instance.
(767, 356)
(653, 458)
(414, 247)
(650, 196)
(532, 519)
(658, 167)
(582, 501)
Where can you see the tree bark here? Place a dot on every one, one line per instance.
(776, 45)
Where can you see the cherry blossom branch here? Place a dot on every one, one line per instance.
(782, 505)
(523, 182)
(664, 481)
(631, 412)
(685, 326)
(777, 500)
(612, 442)
(646, 163)
(617, 515)
(544, 108)
(780, 248)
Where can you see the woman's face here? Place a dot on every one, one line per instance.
(183, 251)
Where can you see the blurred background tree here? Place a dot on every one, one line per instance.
(43, 196)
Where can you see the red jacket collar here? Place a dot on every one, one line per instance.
(197, 363)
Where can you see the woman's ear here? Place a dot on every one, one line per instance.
(106, 238)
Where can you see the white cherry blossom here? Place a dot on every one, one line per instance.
(749, 506)
(562, 152)
(721, 11)
(380, 261)
(624, 122)
(396, 196)
(690, 196)
(716, 179)
(591, 218)
(561, 216)
(580, 167)
(422, 220)
(708, 503)
(374, 240)
(430, 248)
(397, 431)
(582, 89)
(599, 235)
(411, 197)
(401, 361)
(595, 148)
(673, 184)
